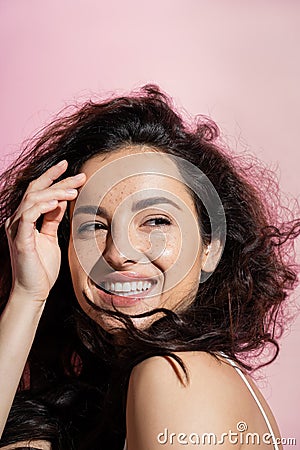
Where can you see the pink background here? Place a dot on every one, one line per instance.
(235, 61)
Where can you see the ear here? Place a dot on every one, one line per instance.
(211, 256)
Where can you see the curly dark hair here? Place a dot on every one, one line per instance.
(242, 306)
(56, 415)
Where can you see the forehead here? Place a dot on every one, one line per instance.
(133, 170)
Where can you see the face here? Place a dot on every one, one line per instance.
(135, 243)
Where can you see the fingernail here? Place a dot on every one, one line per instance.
(62, 163)
(71, 191)
(79, 176)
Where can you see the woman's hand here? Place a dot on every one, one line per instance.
(35, 255)
(35, 259)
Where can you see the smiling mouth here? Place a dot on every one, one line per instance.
(127, 288)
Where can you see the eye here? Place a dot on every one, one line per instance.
(157, 222)
(91, 227)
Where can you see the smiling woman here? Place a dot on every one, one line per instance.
(148, 266)
(142, 265)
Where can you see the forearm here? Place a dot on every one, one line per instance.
(18, 324)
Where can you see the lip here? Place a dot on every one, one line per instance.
(121, 301)
(122, 277)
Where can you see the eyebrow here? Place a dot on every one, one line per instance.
(147, 202)
(92, 210)
(137, 206)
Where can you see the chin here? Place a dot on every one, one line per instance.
(93, 305)
(115, 327)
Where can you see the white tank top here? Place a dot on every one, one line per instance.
(242, 375)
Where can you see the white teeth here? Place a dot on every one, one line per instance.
(118, 287)
(126, 287)
(146, 285)
(133, 287)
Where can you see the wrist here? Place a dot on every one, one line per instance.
(19, 294)
(19, 320)
(25, 301)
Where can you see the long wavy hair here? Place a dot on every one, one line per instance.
(240, 310)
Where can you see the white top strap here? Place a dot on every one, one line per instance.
(242, 375)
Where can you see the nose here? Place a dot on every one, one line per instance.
(117, 257)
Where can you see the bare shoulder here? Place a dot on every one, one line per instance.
(160, 401)
(204, 371)
(214, 400)
(161, 382)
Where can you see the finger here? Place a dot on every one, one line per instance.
(52, 193)
(45, 195)
(34, 192)
(70, 182)
(26, 224)
(52, 220)
(48, 177)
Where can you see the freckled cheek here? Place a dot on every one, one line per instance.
(169, 253)
(82, 258)
(99, 243)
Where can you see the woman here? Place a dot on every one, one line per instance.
(120, 208)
